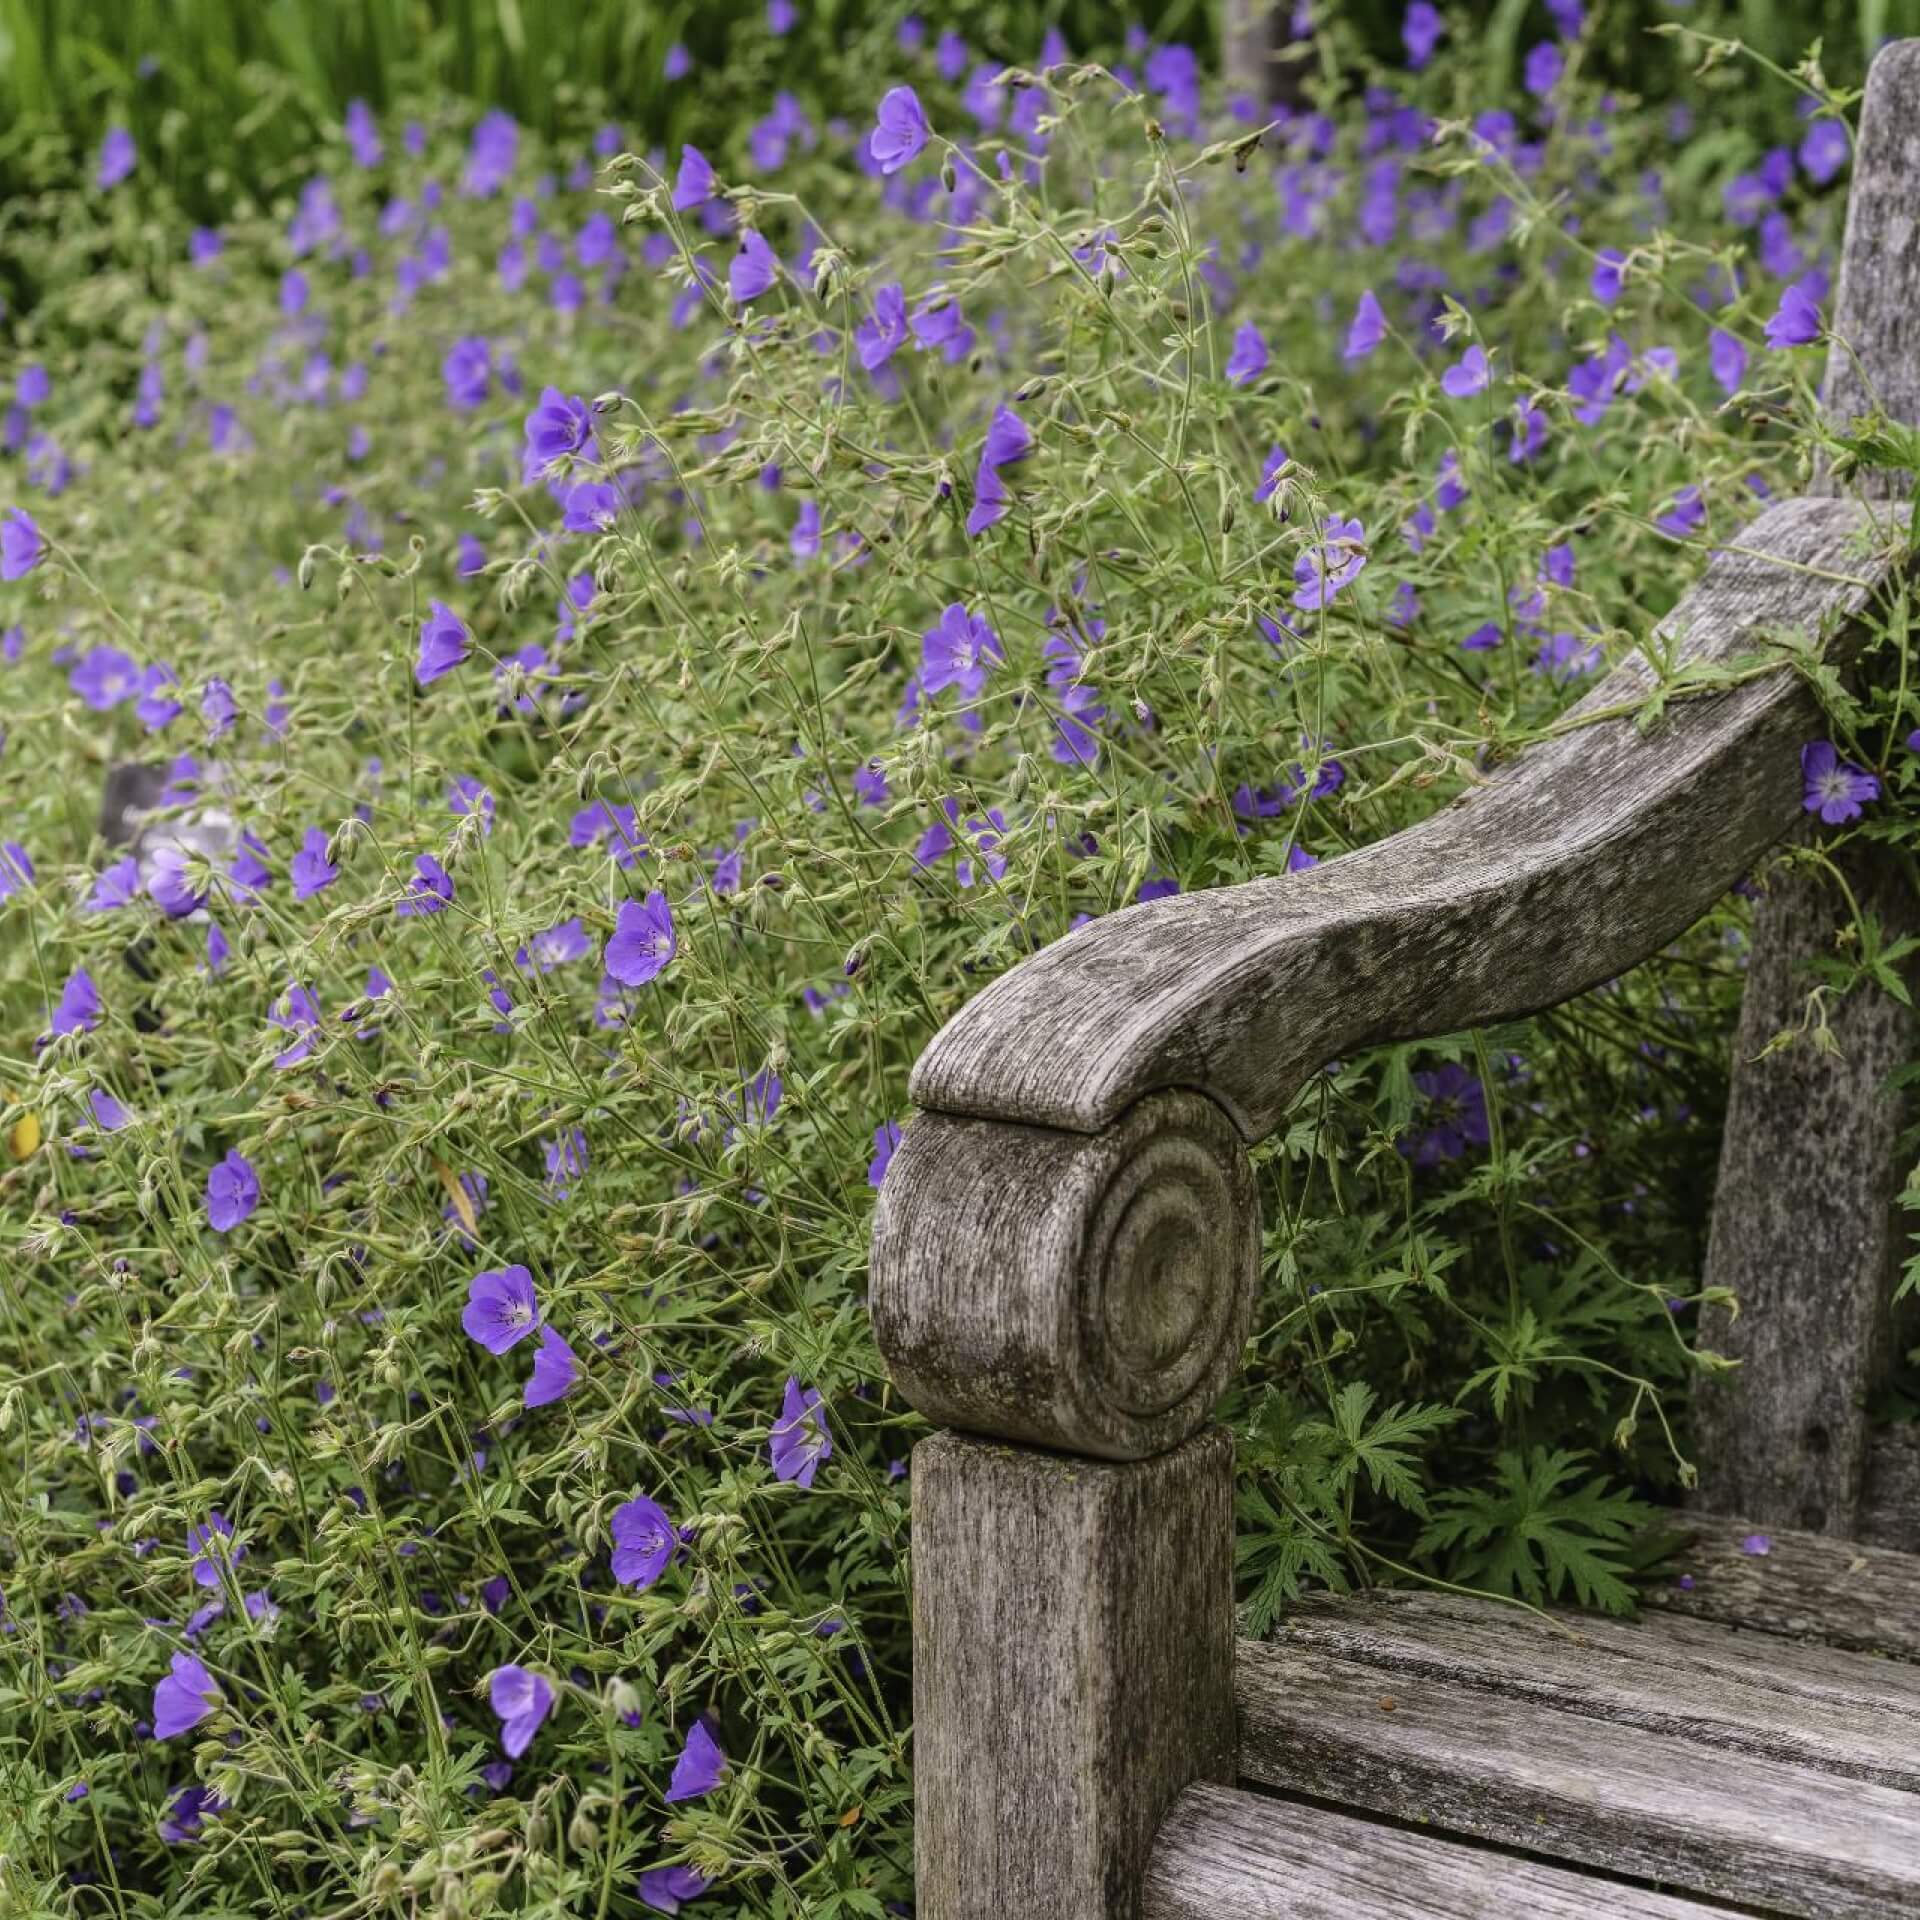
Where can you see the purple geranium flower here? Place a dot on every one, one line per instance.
(699, 1767)
(79, 1008)
(886, 1140)
(1248, 361)
(179, 1823)
(665, 1889)
(1796, 322)
(799, 1440)
(1468, 376)
(522, 1700)
(117, 886)
(753, 269)
(1727, 360)
(1456, 1115)
(118, 155)
(1369, 328)
(501, 1310)
(429, 891)
(16, 870)
(468, 372)
(184, 1698)
(693, 185)
(559, 425)
(1009, 439)
(900, 130)
(643, 1542)
(643, 940)
(1333, 565)
(443, 643)
(1420, 32)
(555, 1368)
(21, 547)
(233, 1191)
(958, 652)
(879, 336)
(1686, 515)
(1836, 789)
(108, 1114)
(213, 1546)
(309, 869)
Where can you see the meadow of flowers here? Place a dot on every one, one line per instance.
(620, 644)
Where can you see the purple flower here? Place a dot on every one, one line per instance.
(79, 1007)
(678, 63)
(218, 709)
(1456, 1115)
(16, 870)
(179, 1823)
(210, 1548)
(753, 269)
(643, 1542)
(799, 1440)
(1325, 570)
(233, 1191)
(429, 891)
(989, 500)
(1757, 1544)
(693, 185)
(310, 869)
(804, 542)
(781, 14)
(184, 1698)
(1248, 361)
(561, 424)
(877, 338)
(1835, 789)
(665, 1889)
(1420, 32)
(117, 157)
(566, 1153)
(21, 547)
(699, 1767)
(1824, 151)
(886, 1139)
(522, 1700)
(1369, 328)
(957, 652)
(501, 1310)
(468, 372)
(560, 944)
(1687, 513)
(108, 1114)
(643, 940)
(1544, 65)
(555, 1369)
(1727, 360)
(1796, 322)
(443, 643)
(1468, 376)
(1009, 439)
(900, 130)
(467, 796)
(1606, 275)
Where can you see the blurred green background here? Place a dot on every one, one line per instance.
(228, 93)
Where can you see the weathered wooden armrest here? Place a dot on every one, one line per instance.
(1068, 1234)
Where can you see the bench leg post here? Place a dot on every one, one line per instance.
(1073, 1669)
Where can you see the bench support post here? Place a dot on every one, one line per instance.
(1073, 1669)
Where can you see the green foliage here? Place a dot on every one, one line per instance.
(1480, 1278)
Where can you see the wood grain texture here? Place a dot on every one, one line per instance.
(1087, 1294)
(1589, 853)
(1877, 311)
(1771, 1834)
(1073, 1670)
(1805, 1230)
(1804, 1586)
(1225, 1854)
(1846, 1714)
(1890, 1506)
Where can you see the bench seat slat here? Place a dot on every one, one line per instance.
(1805, 1586)
(1768, 1832)
(1226, 1854)
(1842, 1714)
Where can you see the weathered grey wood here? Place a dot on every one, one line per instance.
(1225, 1854)
(1089, 1294)
(1809, 1705)
(1877, 310)
(1073, 1670)
(1804, 1228)
(1589, 853)
(1890, 1506)
(1769, 1834)
(1805, 1585)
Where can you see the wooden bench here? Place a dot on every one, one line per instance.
(1063, 1273)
